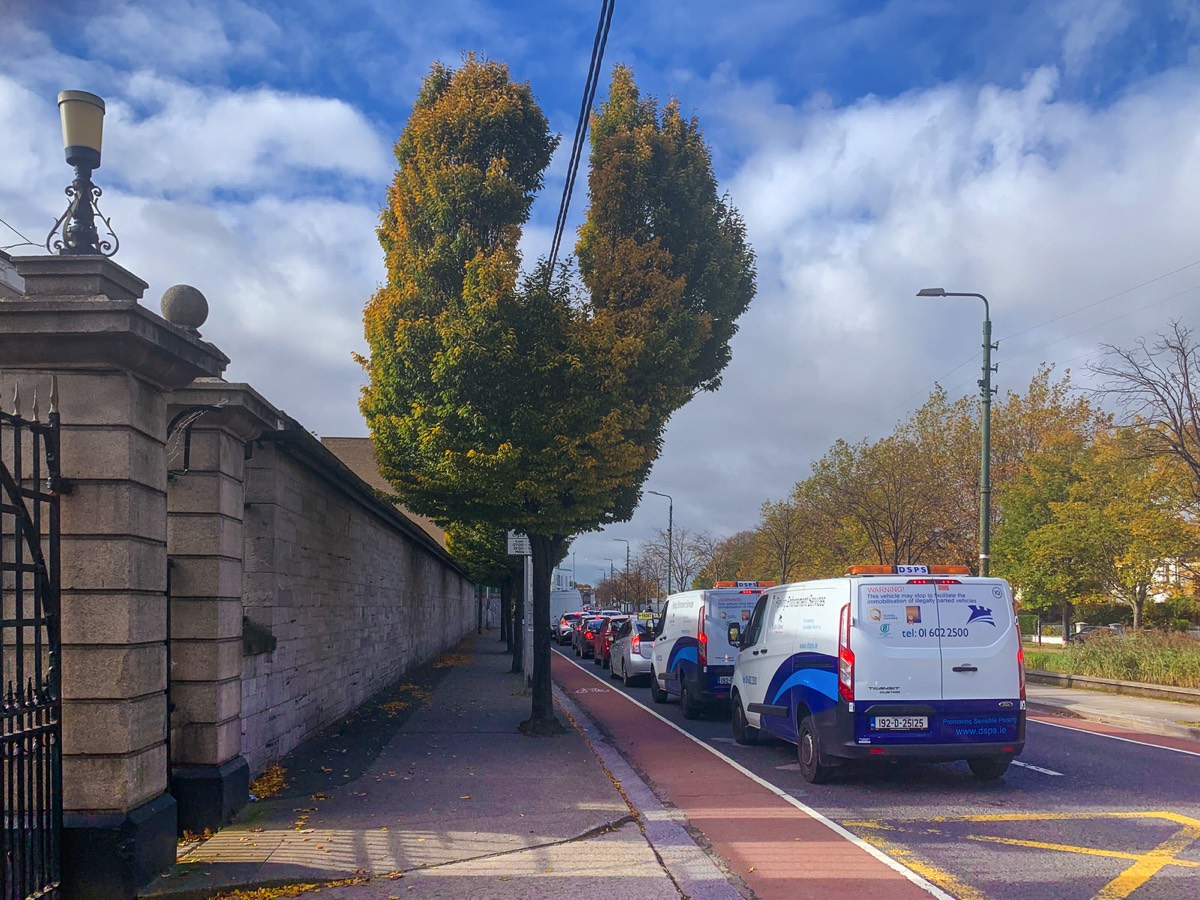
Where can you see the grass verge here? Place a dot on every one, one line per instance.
(1169, 659)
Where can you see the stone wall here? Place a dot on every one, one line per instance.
(351, 593)
(216, 608)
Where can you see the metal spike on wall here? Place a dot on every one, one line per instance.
(53, 394)
(35, 406)
(17, 400)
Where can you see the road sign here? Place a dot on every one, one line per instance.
(518, 544)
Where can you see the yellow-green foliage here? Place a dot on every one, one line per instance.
(518, 402)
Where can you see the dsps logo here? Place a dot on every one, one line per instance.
(980, 614)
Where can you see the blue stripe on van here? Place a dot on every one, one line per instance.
(823, 682)
(795, 666)
(685, 650)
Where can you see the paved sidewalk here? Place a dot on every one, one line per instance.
(1164, 717)
(456, 803)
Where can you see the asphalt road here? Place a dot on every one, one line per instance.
(1082, 815)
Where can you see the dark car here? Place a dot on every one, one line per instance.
(585, 632)
(603, 641)
(1094, 632)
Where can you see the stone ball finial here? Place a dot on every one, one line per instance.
(184, 306)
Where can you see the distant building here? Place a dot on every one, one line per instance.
(359, 456)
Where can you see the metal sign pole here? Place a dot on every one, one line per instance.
(528, 620)
(518, 545)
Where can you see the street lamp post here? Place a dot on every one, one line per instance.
(670, 532)
(985, 425)
(625, 599)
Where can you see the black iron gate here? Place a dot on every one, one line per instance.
(31, 764)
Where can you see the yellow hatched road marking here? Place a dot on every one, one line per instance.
(943, 879)
(1145, 865)
(1070, 848)
(1149, 864)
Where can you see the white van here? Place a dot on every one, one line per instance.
(890, 662)
(561, 603)
(693, 649)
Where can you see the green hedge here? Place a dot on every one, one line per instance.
(1172, 659)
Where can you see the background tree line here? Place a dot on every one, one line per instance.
(1094, 510)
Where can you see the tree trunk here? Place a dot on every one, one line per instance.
(1139, 602)
(546, 552)
(518, 629)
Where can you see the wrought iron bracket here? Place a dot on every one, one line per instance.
(185, 419)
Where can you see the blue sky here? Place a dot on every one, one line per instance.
(1046, 154)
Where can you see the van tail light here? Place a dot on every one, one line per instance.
(1021, 669)
(701, 640)
(845, 657)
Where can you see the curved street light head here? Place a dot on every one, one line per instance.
(670, 531)
(985, 423)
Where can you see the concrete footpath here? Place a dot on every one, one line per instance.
(430, 791)
(454, 802)
(1140, 715)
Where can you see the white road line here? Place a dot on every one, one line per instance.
(908, 873)
(1114, 737)
(1024, 765)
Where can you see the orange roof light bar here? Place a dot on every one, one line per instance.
(744, 584)
(871, 570)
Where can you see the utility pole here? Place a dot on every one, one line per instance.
(670, 533)
(985, 426)
(625, 598)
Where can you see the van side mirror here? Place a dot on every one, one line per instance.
(735, 634)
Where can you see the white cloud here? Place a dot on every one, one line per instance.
(265, 196)
(1042, 204)
(194, 140)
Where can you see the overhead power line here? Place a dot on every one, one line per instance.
(589, 95)
(1008, 337)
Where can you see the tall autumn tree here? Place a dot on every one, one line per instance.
(515, 401)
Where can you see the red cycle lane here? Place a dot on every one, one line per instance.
(778, 850)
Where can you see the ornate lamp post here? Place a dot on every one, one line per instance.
(670, 530)
(83, 130)
(985, 425)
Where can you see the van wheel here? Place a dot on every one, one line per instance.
(691, 709)
(988, 768)
(808, 751)
(657, 694)
(743, 732)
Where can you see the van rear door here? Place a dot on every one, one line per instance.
(980, 640)
(897, 652)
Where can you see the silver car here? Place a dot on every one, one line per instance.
(632, 651)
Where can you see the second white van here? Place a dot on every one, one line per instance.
(694, 647)
(889, 662)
